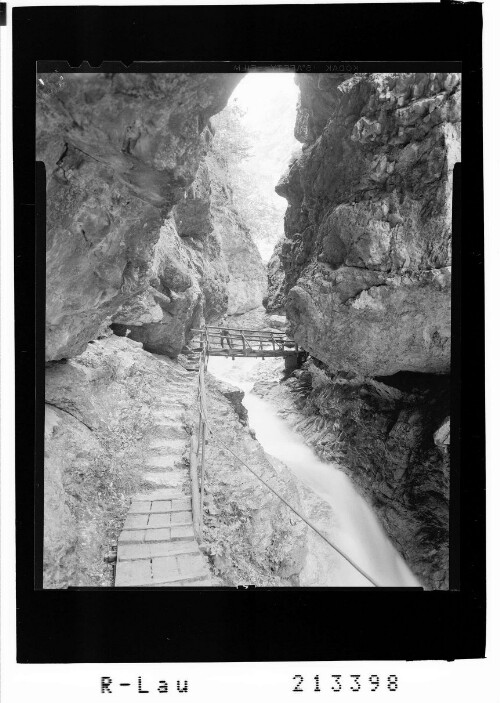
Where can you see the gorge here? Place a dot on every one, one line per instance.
(145, 241)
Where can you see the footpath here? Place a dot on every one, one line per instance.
(157, 545)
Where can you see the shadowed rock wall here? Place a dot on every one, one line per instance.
(206, 265)
(120, 150)
(142, 237)
(208, 209)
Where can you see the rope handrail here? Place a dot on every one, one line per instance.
(296, 512)
(204, 424)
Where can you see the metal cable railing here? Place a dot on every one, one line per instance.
(198, 468)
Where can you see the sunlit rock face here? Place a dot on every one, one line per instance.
(367, 250)
(120, 150)
(205, 265)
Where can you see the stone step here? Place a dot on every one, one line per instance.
(167, 479)
(184, 567)
(169, 446)
(188, 581)
(174, 431)
(143, 577)
(128, 552)
(162, 534)
(171, 413)
(168, 423)
(133, 573)
(177, 376)
(176, 408)
(162, 494)
(163, 461)
(159, 570)
(160, 506)
(155, 520)
(185, 583)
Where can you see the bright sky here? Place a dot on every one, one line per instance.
(269, 101)
(257, 91)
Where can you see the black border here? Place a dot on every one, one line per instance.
(261, 624)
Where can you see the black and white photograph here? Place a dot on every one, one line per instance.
(248, 326)
(248, 351)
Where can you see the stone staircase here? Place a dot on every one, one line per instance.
(157, 545)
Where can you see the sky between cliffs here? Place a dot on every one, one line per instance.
(266, 108)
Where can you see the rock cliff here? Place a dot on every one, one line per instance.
(208, 207)
(143, 240)
(364, 272)
(205, 265)
(367, 250)
(120, 151)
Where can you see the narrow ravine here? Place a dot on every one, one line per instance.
(345, 182)
(355, 527)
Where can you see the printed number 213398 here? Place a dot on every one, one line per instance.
(347, 682)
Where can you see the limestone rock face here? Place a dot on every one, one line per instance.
(208, 209)
(120, 150)
(367, 248)
(205, 265)
(188, 284)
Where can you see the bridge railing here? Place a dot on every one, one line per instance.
(235, 341)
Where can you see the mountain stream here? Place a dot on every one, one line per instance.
(353, 525)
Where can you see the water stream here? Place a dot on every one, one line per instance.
(354, 526)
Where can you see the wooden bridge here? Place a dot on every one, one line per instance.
(233, 342)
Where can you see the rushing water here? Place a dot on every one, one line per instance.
(355, 527)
